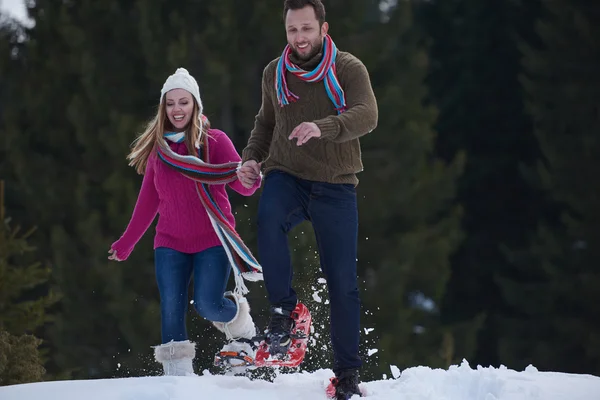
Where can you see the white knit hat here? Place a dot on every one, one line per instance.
(182, 79)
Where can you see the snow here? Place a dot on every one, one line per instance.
(16, 9)
(459, 382)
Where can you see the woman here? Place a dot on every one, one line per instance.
(186, 166)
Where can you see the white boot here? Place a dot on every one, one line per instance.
(242, 325)
(176, 357)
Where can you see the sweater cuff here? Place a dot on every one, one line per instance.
(329, 127)
(250, 154)
(122, 251)
(257, 182)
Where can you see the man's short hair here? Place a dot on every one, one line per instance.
(317, 5)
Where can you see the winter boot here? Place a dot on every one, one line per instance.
(176, 357)
(278, 334)
(241, 326)
(344, 385)
(239, 332)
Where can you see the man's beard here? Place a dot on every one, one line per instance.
(316, 46)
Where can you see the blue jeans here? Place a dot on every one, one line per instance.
(211, 269)
(332, 210)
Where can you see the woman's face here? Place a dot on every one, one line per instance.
(179, 106)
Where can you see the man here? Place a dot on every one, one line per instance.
(316, 103)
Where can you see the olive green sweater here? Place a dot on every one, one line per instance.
(335, 157)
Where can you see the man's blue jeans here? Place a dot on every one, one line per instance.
(285, 202)
(211, 269)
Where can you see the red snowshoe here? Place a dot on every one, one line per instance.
(299, 335)
(294, 356)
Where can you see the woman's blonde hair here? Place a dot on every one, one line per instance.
(143, 146)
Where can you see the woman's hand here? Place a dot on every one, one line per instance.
(248, 173)
(113, 255)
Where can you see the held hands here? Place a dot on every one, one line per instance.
(113, 255)
(248, 173)
(304, 132)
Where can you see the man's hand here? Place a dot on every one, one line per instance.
(304, 132)
(248, 173)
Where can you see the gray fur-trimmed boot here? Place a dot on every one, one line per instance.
(176, 357)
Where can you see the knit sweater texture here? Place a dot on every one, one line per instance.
(183, 222)
(335, 157)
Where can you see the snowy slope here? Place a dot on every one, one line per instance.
(419, 383)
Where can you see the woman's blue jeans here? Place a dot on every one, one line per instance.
(211, 269)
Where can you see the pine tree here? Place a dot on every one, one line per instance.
(22, 308)
(74, 86)
(20, 360)
(554, 320)
(473, 81)
(409, 222)
(10, 68)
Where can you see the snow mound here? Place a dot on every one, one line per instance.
(419, 383)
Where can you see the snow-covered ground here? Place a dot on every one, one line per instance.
(419, 383)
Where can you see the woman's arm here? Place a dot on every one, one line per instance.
(144, 213)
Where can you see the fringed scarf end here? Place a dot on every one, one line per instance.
(240, 286)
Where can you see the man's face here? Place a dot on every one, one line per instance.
(304, 35)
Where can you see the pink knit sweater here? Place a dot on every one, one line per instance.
(183, 222)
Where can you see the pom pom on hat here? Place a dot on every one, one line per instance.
(182, 79)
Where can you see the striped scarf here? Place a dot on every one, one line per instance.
(324, 71)
(205, 174)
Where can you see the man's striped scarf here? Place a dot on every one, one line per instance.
(324, 71)
(204, 174)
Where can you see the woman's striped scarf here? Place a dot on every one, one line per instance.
(205, 174)
(324, 71)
